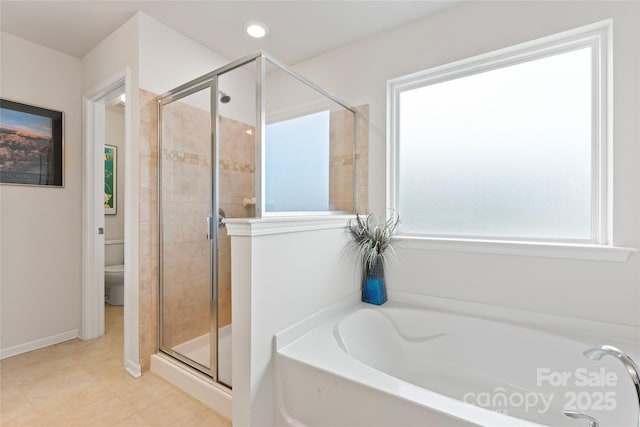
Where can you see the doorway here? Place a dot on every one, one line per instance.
(113, 183)
(96, 102)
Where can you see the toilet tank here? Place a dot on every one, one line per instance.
(113, 252)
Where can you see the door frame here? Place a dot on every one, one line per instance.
(212, 230)
(94, 101)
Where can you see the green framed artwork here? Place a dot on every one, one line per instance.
(110, 179)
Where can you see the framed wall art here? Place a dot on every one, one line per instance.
(31, 145)
(110, 179)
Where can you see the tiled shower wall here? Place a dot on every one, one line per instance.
(237, 187)
(342, 158)
(185, 193)
(148, 256)
(188, 303)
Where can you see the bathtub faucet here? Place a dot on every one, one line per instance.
(633, 370)
(580, 416)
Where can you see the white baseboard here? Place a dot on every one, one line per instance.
(133, 368)
(213, 395)
(39, 343)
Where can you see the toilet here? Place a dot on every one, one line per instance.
(114, 272)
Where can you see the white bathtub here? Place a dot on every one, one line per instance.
(402, 365)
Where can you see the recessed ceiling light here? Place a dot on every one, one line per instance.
(256, 30)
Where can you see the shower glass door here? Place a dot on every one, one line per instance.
(233, 146)
(188, 312)
(207, 173)
(236, 186)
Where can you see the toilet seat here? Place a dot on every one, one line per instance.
(114, 269)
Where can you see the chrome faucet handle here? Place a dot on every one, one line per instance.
(580, 416)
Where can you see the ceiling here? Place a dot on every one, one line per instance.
(297, 29)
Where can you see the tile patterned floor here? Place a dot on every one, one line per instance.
(82, 383)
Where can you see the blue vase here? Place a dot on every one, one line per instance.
(374, 290)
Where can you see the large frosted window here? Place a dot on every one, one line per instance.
(504, 153)
(297, 164)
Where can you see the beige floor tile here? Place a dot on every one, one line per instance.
(13, 403)
(83, 383)
(113, 377)
(31, 370)
(57, 384)
(67, 402)
(133, 421)
(177, 409)
(106, 412)
(27, 418)
(145, 392)
(204, 418)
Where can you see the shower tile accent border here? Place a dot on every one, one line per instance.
(236, 166)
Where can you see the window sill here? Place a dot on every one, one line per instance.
(549, 250)
(284, 224)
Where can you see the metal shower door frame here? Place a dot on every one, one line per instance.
(212, 370)
(210, 80)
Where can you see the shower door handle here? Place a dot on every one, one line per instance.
(209, 220)
(221, 217)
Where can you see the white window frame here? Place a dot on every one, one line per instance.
(598, 37)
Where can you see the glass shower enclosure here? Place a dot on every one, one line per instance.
(250, 139)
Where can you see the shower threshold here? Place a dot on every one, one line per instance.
(200, 386)
(198, 350)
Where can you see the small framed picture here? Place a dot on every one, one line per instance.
(110, 179)
(31, 145)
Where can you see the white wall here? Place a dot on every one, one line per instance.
(168, 59)
(118, 50)
(114, 135)
(279, 278)
(40, 249)
(591, 290)
(113, 57)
